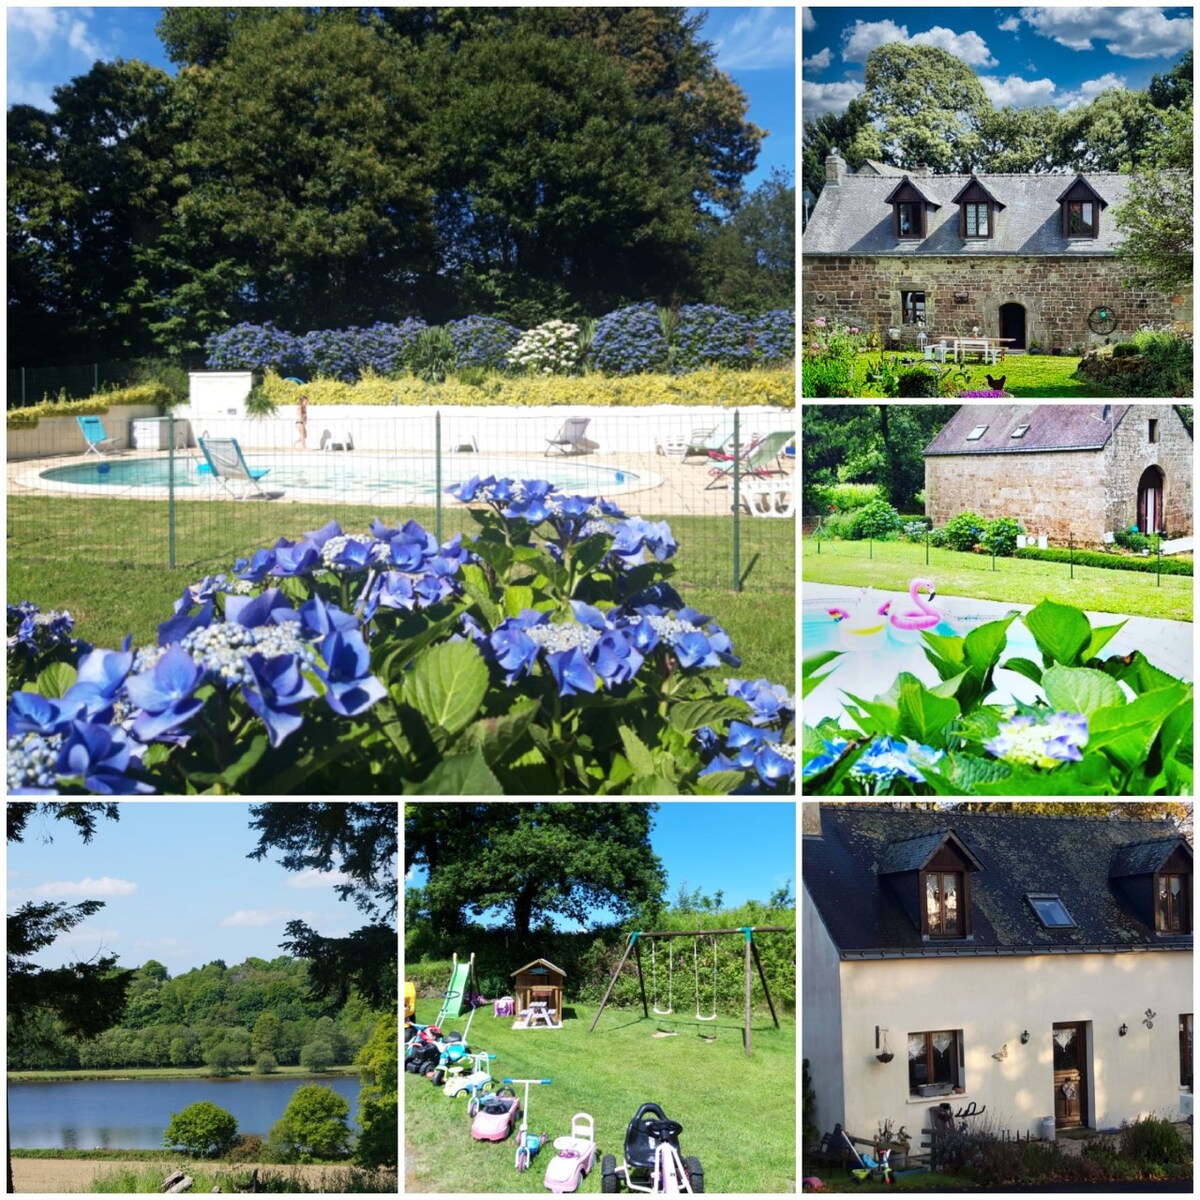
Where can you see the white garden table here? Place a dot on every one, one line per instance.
(981, 344)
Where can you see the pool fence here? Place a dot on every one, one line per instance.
(147, 495)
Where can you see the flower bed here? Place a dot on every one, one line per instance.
(547, 655)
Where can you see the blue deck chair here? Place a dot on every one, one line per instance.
(93, 429)
(223, 456)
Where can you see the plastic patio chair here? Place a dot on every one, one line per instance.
(711, 442)
(228, 467)
(93, 431)
(769, 497)
(571, 434)
(342, 440)
(755, 461)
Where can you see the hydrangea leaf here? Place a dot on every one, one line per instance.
(54, 681)
(1100, 638)
(459, 775)
(1080, 689)
(1126, 732)
(923, 715)
(692, 714)
(517, 597)
(984, 644)
(1060, 631)
(636, 751)
(1024, 666)
(447, 685)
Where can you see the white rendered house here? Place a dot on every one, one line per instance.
(1040, 967)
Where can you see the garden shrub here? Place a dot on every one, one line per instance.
(1153, 1140)
(481, 342)
(1124, 349)
(878, 519)
(1000, 535)
(708, 335)
(249, 1148)
(827, 377)
(918, 382)
(158, 394)
(629, 341)
(773, 337)
(840, 525)
(550, 349)
(914, 531)
(937, 538)
(963, 531)
(260, 402)
(1131, 540)
(167, 374)
(1112, 562)
(842, 497)
(202, 1129)
(432, 355)
(255, 348)
(384, 349)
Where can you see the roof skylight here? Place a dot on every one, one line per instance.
(1051, 911)
(1020, 431)
(977, 433)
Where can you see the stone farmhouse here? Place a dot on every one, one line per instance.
(1030, 258)
(1038, 967)
(1081, 470)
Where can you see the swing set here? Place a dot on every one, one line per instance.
(751, 952)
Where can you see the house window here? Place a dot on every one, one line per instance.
(1153, 429)
(1185, 1051)
(912, 308)
(977, 433)
(1172, 910)
(943, 907)
(908, 219)
(1080, 219)
(1020, 431)
(976, 218)
(934, 1058)
(1051, 911)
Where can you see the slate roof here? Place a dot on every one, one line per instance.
(853, 217)
(1051, 427)
(1143, 858)
(1020, 855)
(910, 855)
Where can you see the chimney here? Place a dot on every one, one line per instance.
(835, 168)
(810, 820)
(923, 171)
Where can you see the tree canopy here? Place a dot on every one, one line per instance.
(532, 861)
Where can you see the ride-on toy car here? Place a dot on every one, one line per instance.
(495, 1115)
(575, 1158)
(653, 1162)
(459, 1080)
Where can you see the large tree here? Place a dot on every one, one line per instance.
(532, 861)
(1108, 134)
(837, 131)
(1018, 140)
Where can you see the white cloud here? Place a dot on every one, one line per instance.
(1132, 32)
(257, 917)
(313, 878)
(1010, 25)
(1017, 92)
(1090, 89)
(45, 45)
(866, 36)
(819, 61)
(817, 98)
(86, 889)
(809, 22)
(762, 38)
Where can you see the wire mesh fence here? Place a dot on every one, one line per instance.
(202, 492)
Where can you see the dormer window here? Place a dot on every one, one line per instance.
(1172, 903)
(977, 209)
(1081, 207)
(908, 220)
(931, 877)
(943, 890)
(1080, 219)
(1154, 879)
(909, 206)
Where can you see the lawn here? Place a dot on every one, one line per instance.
(1035, 376)
(1019, 580)
(105, 563)
(738, 1114)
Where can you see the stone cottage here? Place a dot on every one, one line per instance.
(1063, 469)
(1030, 258)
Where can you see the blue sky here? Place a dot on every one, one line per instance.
(1062, 56)
(756, 46)
(743, 848)
(176, 884)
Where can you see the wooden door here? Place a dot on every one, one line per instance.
(1070, 1075)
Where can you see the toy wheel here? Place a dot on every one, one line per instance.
(695, 1173)
(522, 1156)
(472, 1106)
(608, 1175)
(439, 1077)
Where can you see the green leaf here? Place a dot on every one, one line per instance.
(1127, 732)
(719, 783)
(54, 681)
(590, 553)
(984, 644)
(945, 646)
(1100, 638)
(458, 775)
(636, 751)
(810, 680)
(970, 770)
(1080, 690)
(496, 736)
(475, 587)
(1024, 666)
(693, 714)
(1139, 673)
(885, 718)
(517, 597)
(924, 716)
(1060, 631)
(447, 685)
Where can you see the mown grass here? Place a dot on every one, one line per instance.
(165, 1073)
(1029, 375)
(738, 1114)
(104, 561)
(210, 1178)
(1023, 581)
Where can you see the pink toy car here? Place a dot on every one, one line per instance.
(576, 1155)
(495, 1116)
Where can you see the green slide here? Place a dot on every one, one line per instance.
(456, 994)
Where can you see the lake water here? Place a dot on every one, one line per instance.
(132, 1114)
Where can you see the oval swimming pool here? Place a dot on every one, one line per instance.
(347, 475)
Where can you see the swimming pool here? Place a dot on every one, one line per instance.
(386, 478)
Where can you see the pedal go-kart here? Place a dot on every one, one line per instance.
(494, 1115)
(653, 1162)
(575, 1158)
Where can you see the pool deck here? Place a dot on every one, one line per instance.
(681, 490)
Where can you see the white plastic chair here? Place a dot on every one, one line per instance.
(769, 498)
(337, 441)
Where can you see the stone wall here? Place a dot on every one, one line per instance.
(1057, 294)
(1130, 452)
(1058, 493)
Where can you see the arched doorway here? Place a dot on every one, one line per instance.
(1012, 325)
(1150, 501)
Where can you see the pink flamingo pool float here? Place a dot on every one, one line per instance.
(923, 615)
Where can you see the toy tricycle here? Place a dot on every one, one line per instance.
(653, 1162)
(528, 1144)
(576, 1155)
(493, 1115)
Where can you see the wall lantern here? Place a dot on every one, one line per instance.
(1024, 1037)
(1123, 1030)
(1149, 1019)
(885, 1055)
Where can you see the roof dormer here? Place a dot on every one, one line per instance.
(977, 209)
(1081, 205)
(1154, 880)
(932, 879)
(909, 208)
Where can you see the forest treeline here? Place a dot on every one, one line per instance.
(257, 1014)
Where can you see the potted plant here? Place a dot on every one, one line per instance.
(897, 1143)
(1035, 347)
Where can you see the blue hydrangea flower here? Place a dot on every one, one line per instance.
(887, 757)
(279, 689)
(1044, 742)
(165, 694)
(100, 755)
(834, 748)
(768, 701)
(350, 688)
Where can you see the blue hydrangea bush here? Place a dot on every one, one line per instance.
(248, 347)
(548, 654)
(1114, 726)
(629, 341)
(708, 335)
(482, 341)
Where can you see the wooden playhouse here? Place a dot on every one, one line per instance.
(539, 983)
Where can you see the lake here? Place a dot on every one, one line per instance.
(132, 1114)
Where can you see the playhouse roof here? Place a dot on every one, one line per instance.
(1046, 427)
(541, 962)
(846, 874)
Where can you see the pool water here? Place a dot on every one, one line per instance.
(323, 473)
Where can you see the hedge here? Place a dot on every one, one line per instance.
(143, 393)
(714, 386)
(1112, 562)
